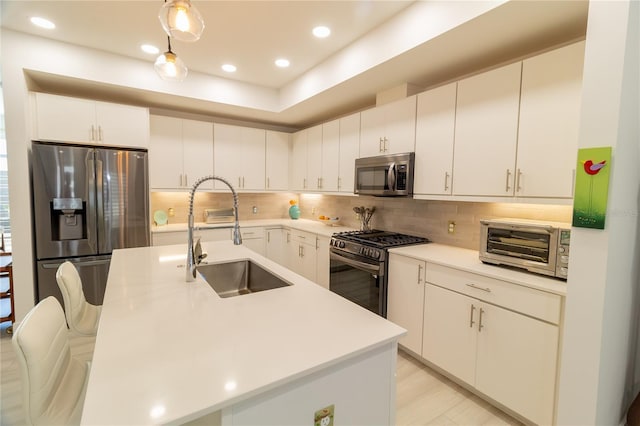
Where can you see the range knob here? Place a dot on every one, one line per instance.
(341, 244)
(561, 249)
(376, 254)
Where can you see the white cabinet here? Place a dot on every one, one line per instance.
(486, 132)
(389, 128)
(549, 122)
(330, 156)
(322, 261)
(253, 238)
(435, 125)
(65, 119)
(277, 151)
(314, 158)
(239, 156)
(500, 338)
(349, 151)
(298, 161)
(180, 152)
(406, 298)
(275, 245)
(301, 253)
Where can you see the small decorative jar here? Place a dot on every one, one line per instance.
(294, 210)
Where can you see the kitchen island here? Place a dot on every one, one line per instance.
(171, 352)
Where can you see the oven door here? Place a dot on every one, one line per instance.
(358, 280)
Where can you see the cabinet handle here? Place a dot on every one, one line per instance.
(480, 326)
(243, 182)
(471, 321)
(302, 236)
(239, 182)
(288, 237)
(419, 274)
(446, 181)
(487, 289)
(268, 183)
(268, 236)
(304, 183)
(318, 183)
(301, 251)
(518, 176)
(186, 180)
(93, 133)
(507, 187)
(339, 182)
(386, 148)
(99, 133)
(380, 147)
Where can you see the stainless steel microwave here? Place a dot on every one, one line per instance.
(539, 247)
(385, 175)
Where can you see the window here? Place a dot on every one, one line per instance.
(5, 225)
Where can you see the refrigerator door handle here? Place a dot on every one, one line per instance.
(55, 265)
(102, 230)
(92, 236)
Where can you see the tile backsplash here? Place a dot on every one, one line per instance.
(417, 217)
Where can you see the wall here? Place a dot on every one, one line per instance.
(416, 217)
(596, 377)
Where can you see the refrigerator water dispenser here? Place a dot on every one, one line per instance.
(67, 219)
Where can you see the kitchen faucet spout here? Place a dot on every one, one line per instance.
(237, 239)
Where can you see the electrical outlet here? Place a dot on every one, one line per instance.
(324, 417)
(313, 210)
(255, 210)
(451, 227)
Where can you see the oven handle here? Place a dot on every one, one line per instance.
(356, 264)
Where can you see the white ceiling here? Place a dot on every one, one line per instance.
(251, 34)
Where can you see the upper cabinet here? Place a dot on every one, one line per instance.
(314, 158)
(298, 161)
(65, 119)
(349, 151)
(180, 152)
(389, 128)
(239, 156)
(278, 149)
(330, 156)
(435, 125)
(549, 122)
(486, 132)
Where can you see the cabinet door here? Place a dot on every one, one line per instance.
(400, 126)
(450, 331)
(372, 132)
(227, 156)
(255, 244)
(298, 161)
(516, 362)
(549, 121)
(122, 125)
(435, 123)
(486, 132)
(253, 158)
(314, 157)
(165, 153)
(349, 151)
(291, 252)
(275, 245)
(405, 301)
(322, 261)
(197, 140)
(60, 118)
(330, 156)
(278, 146)
(307, 261)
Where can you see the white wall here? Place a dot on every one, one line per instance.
(601, 309)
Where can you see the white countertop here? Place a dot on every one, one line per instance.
(308, 225)
(468, 260)
(171, 351)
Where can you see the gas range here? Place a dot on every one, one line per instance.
(372, 244)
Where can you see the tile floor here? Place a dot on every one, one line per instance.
(424, 397)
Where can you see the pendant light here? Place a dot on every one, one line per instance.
(181, 20)
(169, 66)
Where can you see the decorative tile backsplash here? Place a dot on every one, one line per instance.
(417, 217)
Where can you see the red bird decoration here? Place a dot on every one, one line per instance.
(593, 169)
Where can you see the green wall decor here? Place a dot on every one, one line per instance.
(592, 187)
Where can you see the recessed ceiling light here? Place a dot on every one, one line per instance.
(42, 23)
(282, 63)
(321, 31)
(150, 49)
(229, 68)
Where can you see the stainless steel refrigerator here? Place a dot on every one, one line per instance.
(87, 201)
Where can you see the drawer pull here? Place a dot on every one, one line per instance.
(487, 289)
(480, 326)
(419, 274)
(471, 321)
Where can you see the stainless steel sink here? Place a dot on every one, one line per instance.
(239, 277)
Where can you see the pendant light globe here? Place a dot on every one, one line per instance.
(170, 67)
(181, 20)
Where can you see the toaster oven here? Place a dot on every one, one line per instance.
(539, 247)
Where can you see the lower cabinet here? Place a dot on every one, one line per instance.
(500, 338)
(274, 245)
(322, 261)
(253, 238)
(301, 253)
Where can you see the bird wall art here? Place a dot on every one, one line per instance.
(592, 187)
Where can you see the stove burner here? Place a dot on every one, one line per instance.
(381, 239)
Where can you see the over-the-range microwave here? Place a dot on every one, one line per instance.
(539, 247)
(385, 175)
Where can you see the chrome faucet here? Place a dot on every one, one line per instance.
(237, 239)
